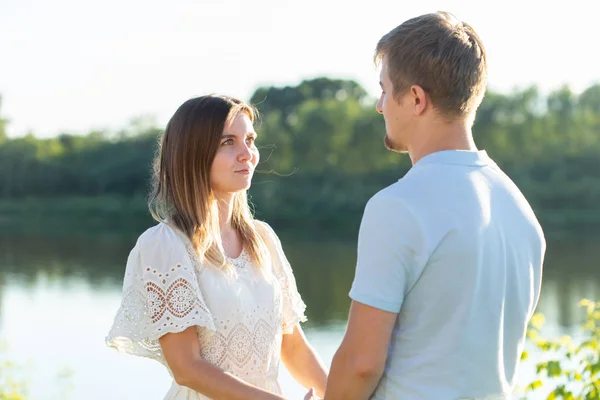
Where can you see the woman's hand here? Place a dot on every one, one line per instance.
(311, 395)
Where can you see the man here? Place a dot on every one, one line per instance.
(450, 256)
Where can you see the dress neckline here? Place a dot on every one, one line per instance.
(241, 261)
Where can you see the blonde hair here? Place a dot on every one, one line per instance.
(181, 190)
(441, 54)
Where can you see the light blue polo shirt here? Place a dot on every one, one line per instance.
(455, 249)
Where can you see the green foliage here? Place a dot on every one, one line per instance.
(13, 386)
(322, 155)
(10, 388)
(570, 369)
(3, 123)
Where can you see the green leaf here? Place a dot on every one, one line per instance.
(589, 344)
(534, 385)
(566, 341)
(595, 368)
(532, 335)
(537, 321)
(593, 394)
(584, 302)
(554, 369)
(543, 366)
(589, 325)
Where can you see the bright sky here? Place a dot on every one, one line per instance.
(76, 65)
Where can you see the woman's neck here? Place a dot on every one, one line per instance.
(225, 207)
(229, 236)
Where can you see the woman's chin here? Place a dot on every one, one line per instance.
(240, 188)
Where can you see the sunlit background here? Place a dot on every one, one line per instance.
(72, 66)
(86, 87)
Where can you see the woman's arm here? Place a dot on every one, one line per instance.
(303, 362)
(182, 352)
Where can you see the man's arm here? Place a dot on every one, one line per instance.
(359, 362)
(390, 252)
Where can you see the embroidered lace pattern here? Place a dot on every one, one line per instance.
(239, 319)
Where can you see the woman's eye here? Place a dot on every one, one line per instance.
(251, 139)
(228, 142)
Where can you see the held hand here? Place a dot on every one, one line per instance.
(311, 395)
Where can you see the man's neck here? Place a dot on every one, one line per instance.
(441, 136)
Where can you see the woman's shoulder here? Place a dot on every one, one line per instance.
(160, 235)
(161, 247)
(263, 227)
(266, 232)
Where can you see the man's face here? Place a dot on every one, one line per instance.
(396, 113)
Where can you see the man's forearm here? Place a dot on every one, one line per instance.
(349, 380)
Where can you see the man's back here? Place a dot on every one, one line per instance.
(463, 269)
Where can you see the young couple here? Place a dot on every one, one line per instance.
(449, 257)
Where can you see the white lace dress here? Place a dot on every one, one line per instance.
(240, 317)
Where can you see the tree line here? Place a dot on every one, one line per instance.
(322, 156)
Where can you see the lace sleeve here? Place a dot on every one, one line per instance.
(293, 305)
(160, 295)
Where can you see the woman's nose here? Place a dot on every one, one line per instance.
(245, 153)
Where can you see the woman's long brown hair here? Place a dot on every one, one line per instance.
(181, 192)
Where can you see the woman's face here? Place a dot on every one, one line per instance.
(236, 158)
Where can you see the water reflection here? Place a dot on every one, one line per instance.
(323, 270)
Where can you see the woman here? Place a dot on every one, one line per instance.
(208, 291)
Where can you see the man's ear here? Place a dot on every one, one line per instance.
(419, 99)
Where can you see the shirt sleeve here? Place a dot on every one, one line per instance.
(390, 253)
(161, 295)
